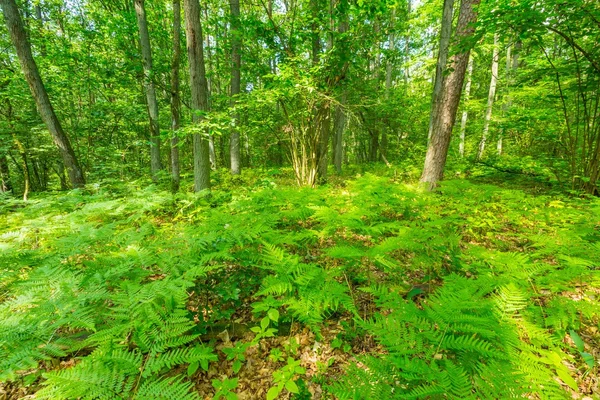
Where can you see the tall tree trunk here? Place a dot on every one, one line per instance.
(491, 97)
(340, 118)
(175, 100)
(465, 113)
(512, 63)
(437, 150)
(18, 37)
(236, 62)
(199, 89)
(24, 166)
(339, 126)
(5, 184)
(407, 45)
(445, 33)
(140, 13)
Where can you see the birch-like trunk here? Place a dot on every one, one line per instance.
(465, 113)
(512, 63)
(490, 101)
(236, 62)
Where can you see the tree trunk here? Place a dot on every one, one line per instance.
(407, 45)
(512, 63)
(140, 13)
(24, 166)
(199, 91)
(491, 97)
(339, 126)
(437, 150)
(5, 184)
(445, 33)
(465, 113)
(175, 100)
(18, 37)
(236, 62)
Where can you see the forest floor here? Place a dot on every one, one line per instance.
(365, 288)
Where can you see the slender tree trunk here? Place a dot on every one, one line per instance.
(445, 33)
(199, 89)
(175, 100)
(465, 113)
(512, 63)
(339, 127)
(151, 101)
(437, 150)
(491, 97)
(407, 45)
(236, 62)
(24, 166)
(19, 39)
(5, 184)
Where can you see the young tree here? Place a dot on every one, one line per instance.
(491, 97)
(236, 61)
(449, 97)
(140, 13)
(18, 37)
(199, 89)
(175, 100)
(465, 113)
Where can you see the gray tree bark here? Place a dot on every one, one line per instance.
(18, 36)
(512, 63)
(465, 113)
(175, 99)
(199, 89)
(140, 13)
(491, 98)
(339, 125)
(236, 62)
(437, 150)
(446, 32)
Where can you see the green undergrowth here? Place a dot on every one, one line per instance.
(473, 291)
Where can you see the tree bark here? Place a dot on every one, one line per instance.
(491, 97)
(199, 91)
(465, 113)
(236, 62)
(512, 63)
(140, 13)
(446, 32)
(339, 126)
(5, 184)
(437, 150)
(175, 99)
(18, 37)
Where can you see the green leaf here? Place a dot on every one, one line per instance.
(237, 365)
(564, 375)
(264, 323)
(204, 364)
(577, 340)
(589, 359)
(273, 393)
(273, 314)
(291, 387)
(192, 368)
